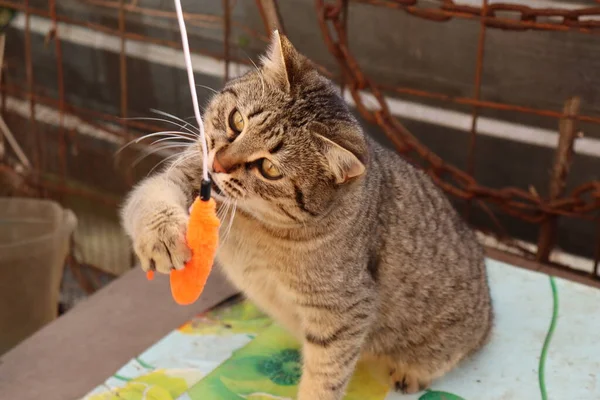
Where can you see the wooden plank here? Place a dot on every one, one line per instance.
(77, 352)
(571, 275)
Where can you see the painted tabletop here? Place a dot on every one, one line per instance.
(545, 339)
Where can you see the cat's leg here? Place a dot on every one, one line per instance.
(409, 379)
(414, 377)
(155, 216)
(430, 362)
(331, 348)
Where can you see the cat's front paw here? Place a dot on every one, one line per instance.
(160, 242)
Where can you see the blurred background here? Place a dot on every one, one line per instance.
(498, 101)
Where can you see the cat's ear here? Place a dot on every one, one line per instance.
(343, 163)
(283, 63)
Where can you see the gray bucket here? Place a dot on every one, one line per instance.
(34, 242)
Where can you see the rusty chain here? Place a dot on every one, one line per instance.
(498, 15)
(523, 204)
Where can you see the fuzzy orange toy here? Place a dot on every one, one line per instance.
(203, 239)
(203, 229)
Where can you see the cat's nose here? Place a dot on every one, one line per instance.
(223, 164)
(217, 167)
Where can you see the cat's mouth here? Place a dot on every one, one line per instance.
(216, 189)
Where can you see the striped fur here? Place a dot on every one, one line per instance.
(353, 250)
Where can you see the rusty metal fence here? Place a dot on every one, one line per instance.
(582, 202)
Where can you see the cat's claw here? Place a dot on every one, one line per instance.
(161, 247)
(408, 383)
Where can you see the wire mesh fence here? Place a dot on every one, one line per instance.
(69, 110)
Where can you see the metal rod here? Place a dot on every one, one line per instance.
(596, 268)
(226, 36)
(14, 145)
(37, 159)
(123, 63)
(115, 32)
(55, 35)
(269, 11)
(124, 86)
(476, 97)
(560, 170)
(565, 19)
(3, 99)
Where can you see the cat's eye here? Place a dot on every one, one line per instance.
(268, 169)
(236, 121)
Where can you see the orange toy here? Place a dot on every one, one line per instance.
(203, 239)
(203, 229)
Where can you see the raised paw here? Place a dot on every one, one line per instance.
(160, 241)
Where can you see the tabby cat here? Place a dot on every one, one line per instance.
(346, 245)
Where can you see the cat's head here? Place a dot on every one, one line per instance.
(282, 141)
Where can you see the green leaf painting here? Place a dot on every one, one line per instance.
(270, 367)
(283, 368)
(267, 368)
(240, 317)
(157, 385)
(236, 352)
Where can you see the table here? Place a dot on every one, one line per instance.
(91, 343)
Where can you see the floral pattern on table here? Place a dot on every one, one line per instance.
(236, 352)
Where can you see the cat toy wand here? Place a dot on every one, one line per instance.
(202, 234)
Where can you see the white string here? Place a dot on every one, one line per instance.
(190, 73)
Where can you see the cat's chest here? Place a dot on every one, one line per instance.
(261, 270)
(249, 255)
(254, 259)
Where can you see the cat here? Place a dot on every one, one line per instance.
(340, 240)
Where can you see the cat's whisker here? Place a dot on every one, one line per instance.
(186, 155)
(136, 141)
(156, 150)
(228, 231)
(167, 145)
(126, 145)
(176, 133)
(166, 114)
(183, 157)
(220, 210)
(228, 211)
(175, 139)
(224, 209)
(208, 88)
(164, 160)
(167, 121)
(220, 214)
(169, 134)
